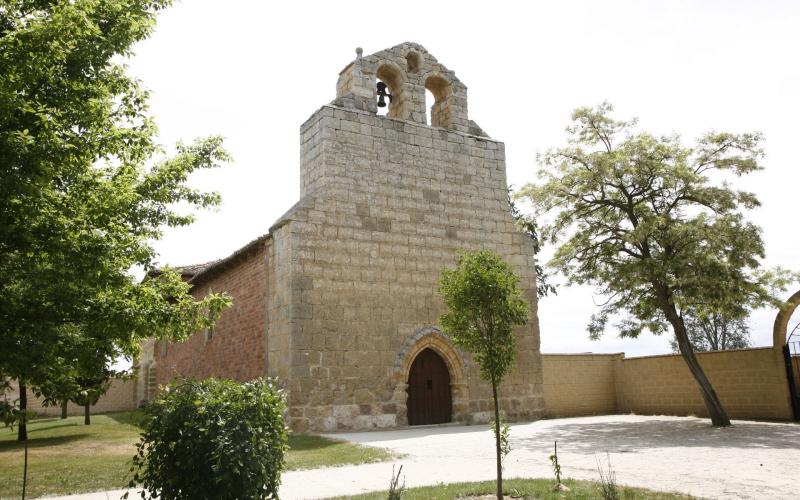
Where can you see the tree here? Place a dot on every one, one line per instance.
(715, 332)
(638, 217)
(484, 304)
(83, 372)
(527, 226)
(85, 189)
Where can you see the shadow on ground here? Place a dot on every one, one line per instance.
(621, 437)
(380, 435)
(34, 442)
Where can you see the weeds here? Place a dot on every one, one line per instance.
(395, 489)
(608, 479)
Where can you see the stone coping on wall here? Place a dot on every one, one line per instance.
(648, 356)
(584, 354)
(701, 353)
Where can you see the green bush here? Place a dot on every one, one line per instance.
(211, 440)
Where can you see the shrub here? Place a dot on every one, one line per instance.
(212, 439)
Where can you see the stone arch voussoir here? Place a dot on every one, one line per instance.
(434, 339)
(782, 321)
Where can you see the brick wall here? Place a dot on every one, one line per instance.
(235, 349)
(751, 383)
(121, 396)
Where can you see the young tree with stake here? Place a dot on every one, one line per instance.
(484, 304)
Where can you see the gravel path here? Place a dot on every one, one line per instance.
(684, 454)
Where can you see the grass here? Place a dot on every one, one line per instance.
(311, 452)
(65, 456)
(517, 488)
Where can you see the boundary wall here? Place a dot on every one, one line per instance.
(751, 383)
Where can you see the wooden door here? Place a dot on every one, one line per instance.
(429, 398)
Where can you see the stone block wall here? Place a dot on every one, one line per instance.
(580, 384)
(751, 383)
(235, 347)
(397, 201)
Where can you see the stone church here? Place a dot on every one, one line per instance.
(338, 300)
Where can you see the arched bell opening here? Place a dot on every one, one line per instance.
(430, 398)
(441, 110)
(391, 92)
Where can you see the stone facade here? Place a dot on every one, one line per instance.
(340, 296)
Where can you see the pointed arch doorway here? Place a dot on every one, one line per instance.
(430, 399)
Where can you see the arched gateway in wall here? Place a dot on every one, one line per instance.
(791, 349)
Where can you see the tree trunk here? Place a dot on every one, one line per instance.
(719, 418)
(497, 441)
(64, 408)
(86, 418)
(22, 430)
(25, 472)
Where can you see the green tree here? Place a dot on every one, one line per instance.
(484, 303)
(527, 225)
(715, 332)
(640, 218)
(81, 373)
(85, 189)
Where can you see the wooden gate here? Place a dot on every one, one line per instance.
(429, 397)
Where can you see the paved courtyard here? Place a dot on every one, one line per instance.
(685, 454)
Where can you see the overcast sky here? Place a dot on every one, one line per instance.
(254, 71)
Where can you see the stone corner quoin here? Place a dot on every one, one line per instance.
(340, 298)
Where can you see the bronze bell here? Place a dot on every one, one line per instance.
(382, 95)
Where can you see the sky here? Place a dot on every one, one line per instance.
(254, 71)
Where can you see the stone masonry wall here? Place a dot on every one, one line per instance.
(397, 201)
(235, 348)
(281, 297)
(751, 383)
(580, 384)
